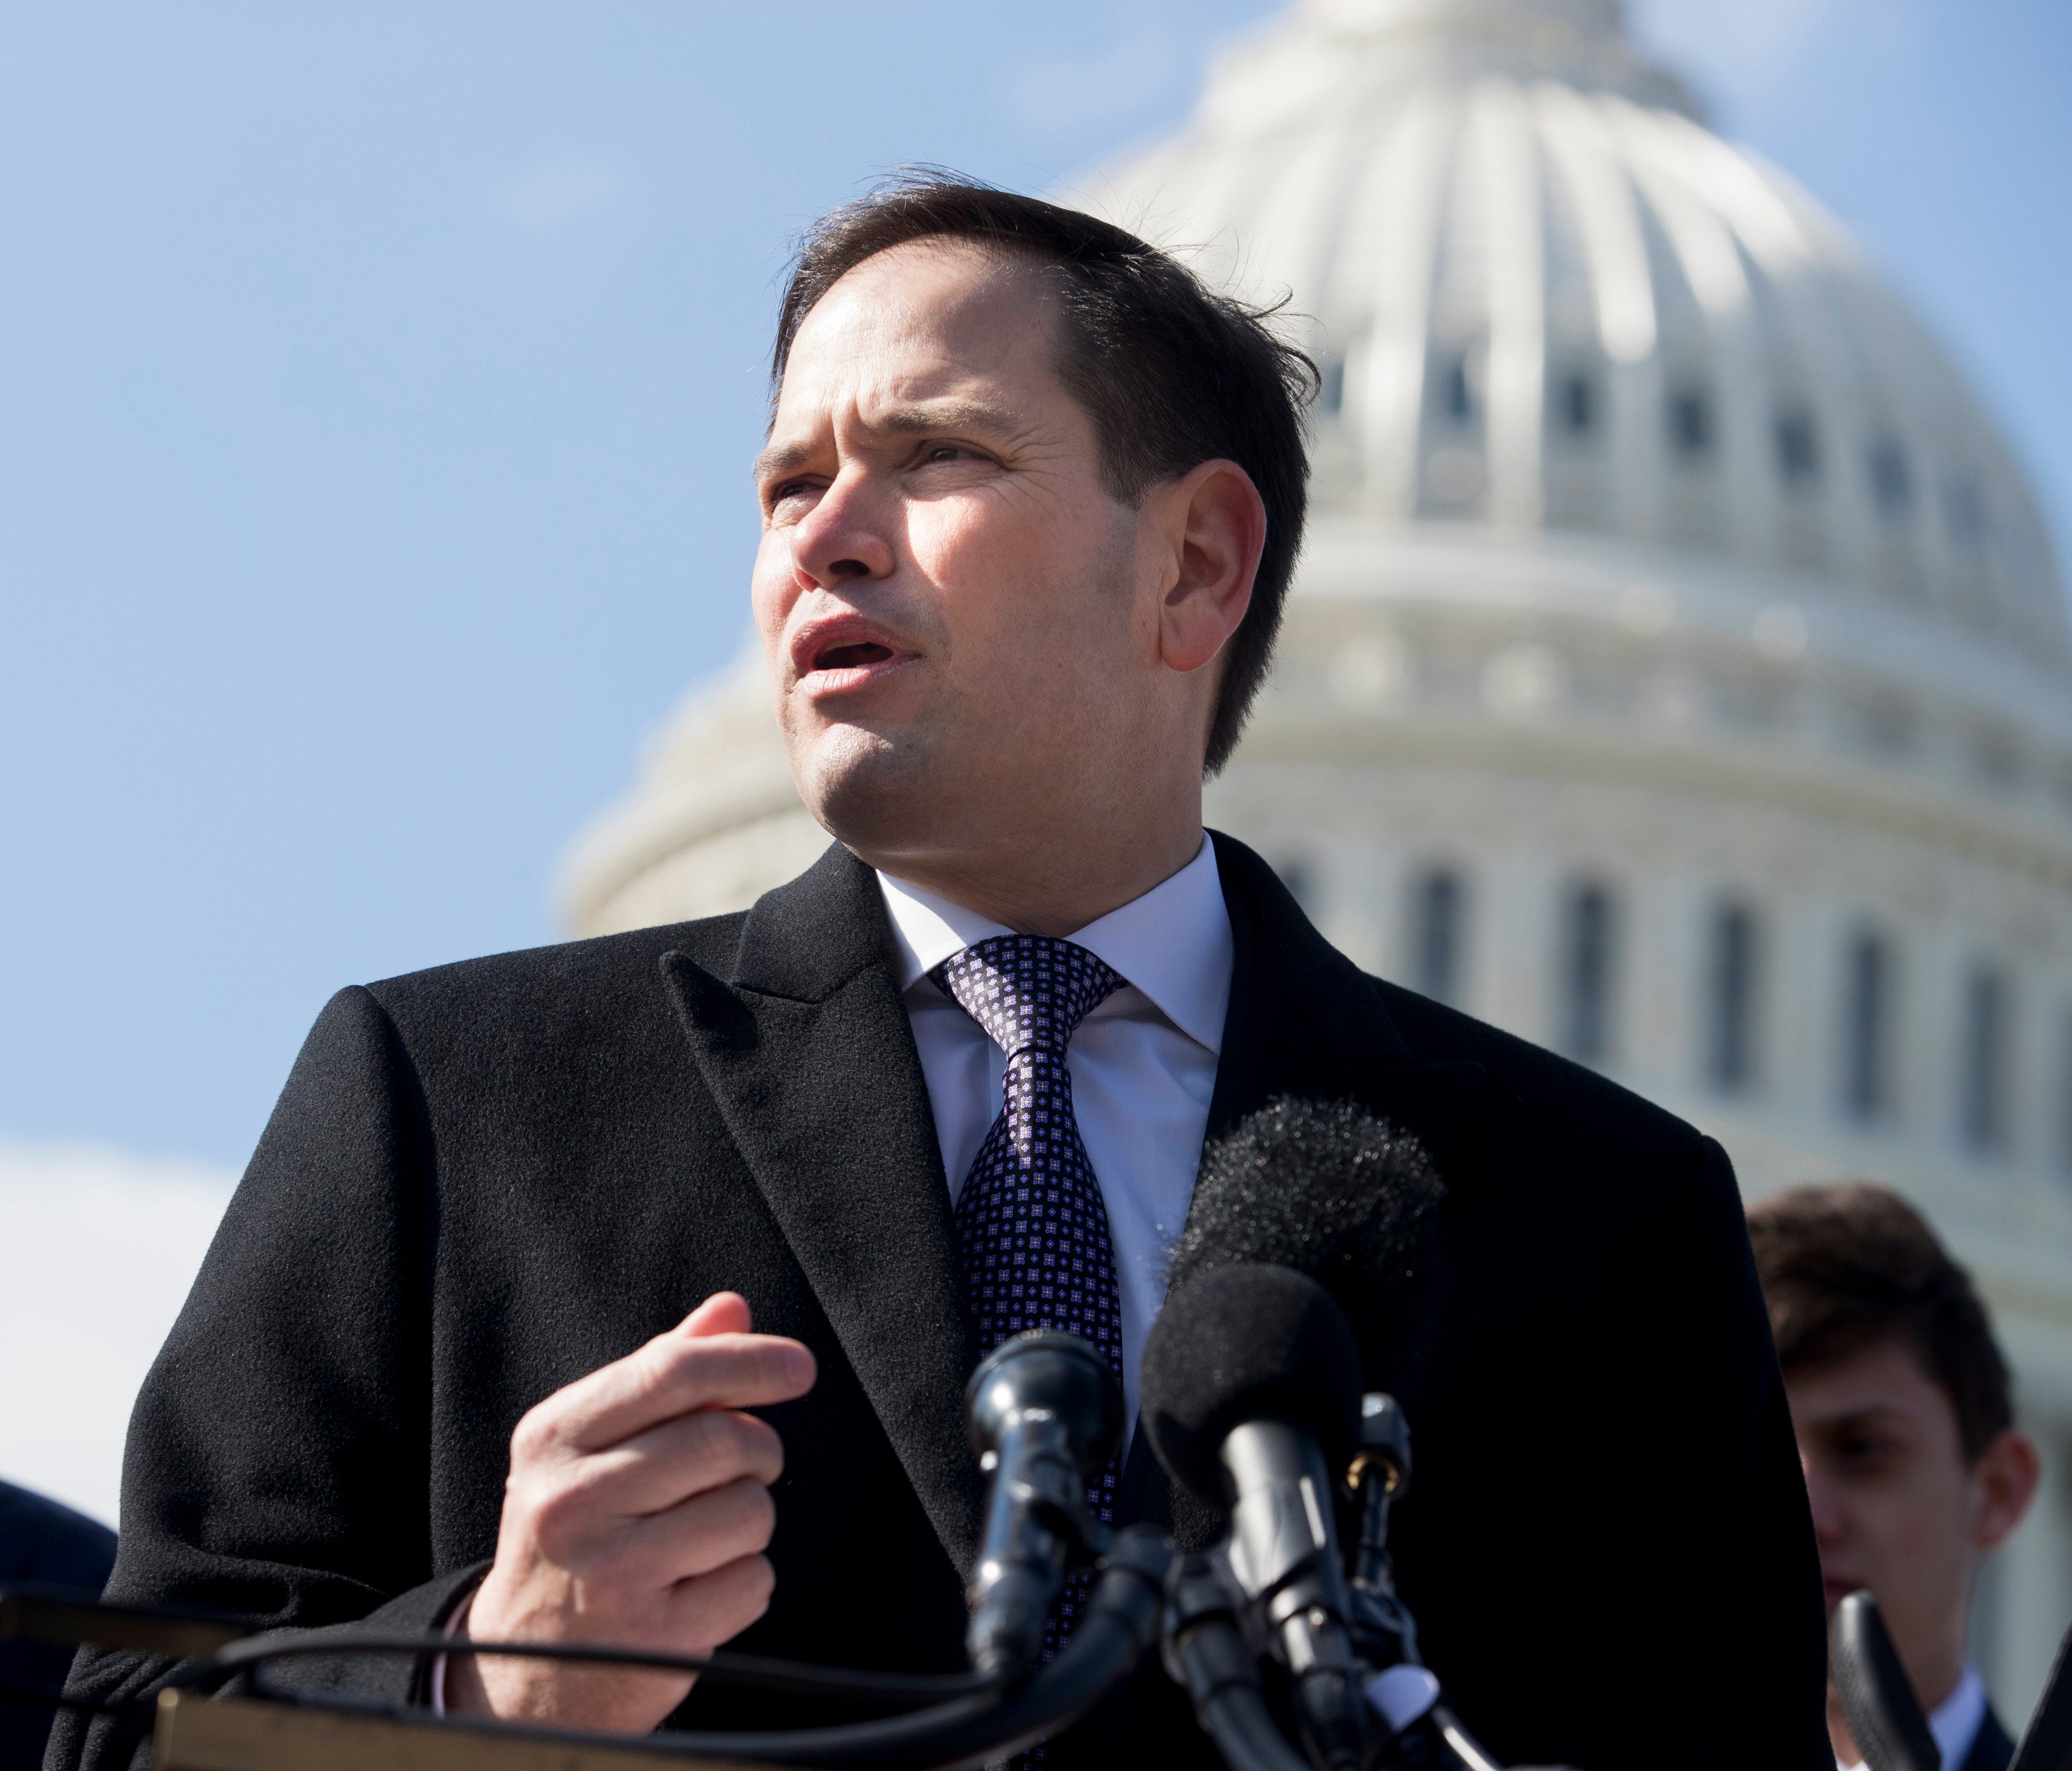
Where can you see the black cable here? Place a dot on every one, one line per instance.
(1237, 1719)
(39, 1698)
(752, 1670)
(1120, 1624)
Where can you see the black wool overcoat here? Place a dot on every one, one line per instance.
(484, 1181)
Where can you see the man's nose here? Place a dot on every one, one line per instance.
(1819, 1497)
(844, 537)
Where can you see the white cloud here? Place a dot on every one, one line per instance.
(559, 194)
(97, 1249)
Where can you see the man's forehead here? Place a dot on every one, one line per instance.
(928, 322)
(1887, 1375)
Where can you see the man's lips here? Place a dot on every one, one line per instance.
(844, 653)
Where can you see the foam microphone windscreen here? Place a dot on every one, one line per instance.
(1327, 1188)
(1244, 1343)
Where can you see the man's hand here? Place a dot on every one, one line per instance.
(637, 1511)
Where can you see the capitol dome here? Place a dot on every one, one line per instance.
(1545, 296)
(1676, 672)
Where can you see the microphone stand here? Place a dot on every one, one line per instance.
(1425, 1731)
(1206, 1654)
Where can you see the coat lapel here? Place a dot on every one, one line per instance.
(807, 1049)
(1304, 1021)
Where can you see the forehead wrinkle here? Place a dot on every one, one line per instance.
(919, 419)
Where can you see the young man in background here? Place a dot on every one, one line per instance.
(1900, 1399)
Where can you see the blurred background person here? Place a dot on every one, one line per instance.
(1903, 1406)
(44, 1541)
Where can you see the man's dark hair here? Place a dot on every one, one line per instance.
(1846, 1267)
(1172, 373)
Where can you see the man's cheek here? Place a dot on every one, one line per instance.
(770, 603)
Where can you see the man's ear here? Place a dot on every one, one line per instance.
(1213, 533)
(2004, 1481)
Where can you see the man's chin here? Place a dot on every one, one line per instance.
(867, 789)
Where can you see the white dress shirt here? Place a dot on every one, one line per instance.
(1143, 1064)
(1956, 1722)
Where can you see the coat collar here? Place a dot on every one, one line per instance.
(807, 1048)
(1304, 1021)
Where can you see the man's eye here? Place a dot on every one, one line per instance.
(935, 452)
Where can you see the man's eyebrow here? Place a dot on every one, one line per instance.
(918, 421)
(780, 459)
(1863, 1417)
(944, 415)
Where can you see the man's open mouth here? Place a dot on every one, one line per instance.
(853, 656)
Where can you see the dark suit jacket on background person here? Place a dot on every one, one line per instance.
(44, 1541)
(1992, 1747)
(485, 1181)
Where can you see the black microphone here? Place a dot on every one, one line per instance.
(1329, 1189)
(1886, 1720)
(1250, 1384)
(1045, 1413)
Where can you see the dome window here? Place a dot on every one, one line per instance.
(1892, 480)
(1331, 385)
(1587, 972)
(1438, 933)
(1798, 449)
(1870, 990)
(1982, 1059)
(1996, 758)
(2063, 1130)
(1732, 989)
(1690, 423)
(1456, 390)
(1576, 404)
(1964, 510)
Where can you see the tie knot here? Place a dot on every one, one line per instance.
(1027, 990)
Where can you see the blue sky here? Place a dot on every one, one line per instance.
(379, 379)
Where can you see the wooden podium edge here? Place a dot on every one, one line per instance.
(196, 1733)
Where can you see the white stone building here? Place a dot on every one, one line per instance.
(1677, 673)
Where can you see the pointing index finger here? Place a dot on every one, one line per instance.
(676, 1373)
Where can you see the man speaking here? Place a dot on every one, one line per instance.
(627, 1290)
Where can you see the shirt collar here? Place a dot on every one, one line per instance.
(1174, 943)
(1957, 1718)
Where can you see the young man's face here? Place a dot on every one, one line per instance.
(1896, 1505)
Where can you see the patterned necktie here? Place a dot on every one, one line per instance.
(1032, 1232)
